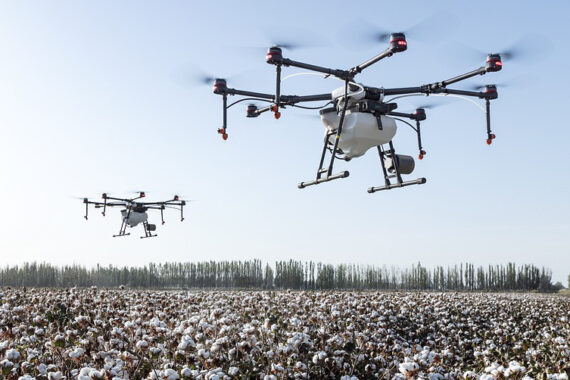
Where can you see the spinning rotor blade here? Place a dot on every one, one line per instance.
(482, 86)
(194, 77)
(429, 106)
(518, 81)
(296, 39)
(287, 45)
(362, 32)
(529, 49)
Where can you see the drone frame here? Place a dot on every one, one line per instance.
(372, 103)
(131, 205)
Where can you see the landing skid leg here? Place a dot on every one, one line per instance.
(147, 233)
(123, 230)
(329, 176)
(320, 171)
(399, 182)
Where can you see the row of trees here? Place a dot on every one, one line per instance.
(284, 275)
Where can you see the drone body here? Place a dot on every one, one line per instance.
(134, 218)
(360, 130)
(360, 118)
(135, 212)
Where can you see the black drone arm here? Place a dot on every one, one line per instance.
(358, 69)
(173, 203)
(342, 74)
(275, 57)
(492, 64)
(104, 205)
(284, 99)
(294, 99)
(221, 88)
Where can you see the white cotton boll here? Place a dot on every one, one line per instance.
(269, 377)
(186, 372)
(408, 367)
(170, 374)
(55, 376)
(232, 371)
(42, 368)
(277, 368)
(86, 371)
(152, 375)
(12, 354)
(203, 353)
(558, 376)
(26, 377)
(300, 366)
(77, 353)
(97, 375)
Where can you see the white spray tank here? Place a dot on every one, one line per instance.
(134, 217)
(360, 130)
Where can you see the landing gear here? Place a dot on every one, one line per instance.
(148, 230)
(398, 165)
(122, 231)
(326, 171)
(334, 150)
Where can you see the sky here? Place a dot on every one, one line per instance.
(101, 96)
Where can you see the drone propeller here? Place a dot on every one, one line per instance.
(365, 33)
(429, 106)
(206, 79)
(483, 86)
(192, 76)
(529, 49)
(288, 45)
(296, 39)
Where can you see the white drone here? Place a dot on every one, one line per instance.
(135, 212)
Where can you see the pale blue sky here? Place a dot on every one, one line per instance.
(91, 101)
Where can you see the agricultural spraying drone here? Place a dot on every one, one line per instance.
(360, 118)
(134, 211)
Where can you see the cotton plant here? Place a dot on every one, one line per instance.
(212, 335)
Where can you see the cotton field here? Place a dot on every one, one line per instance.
(126, 334)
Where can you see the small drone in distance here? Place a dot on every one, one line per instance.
(134, 211)
(358, 117)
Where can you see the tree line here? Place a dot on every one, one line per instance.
(253, 274)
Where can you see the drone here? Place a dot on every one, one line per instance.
(360, 117)
(134, 212)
